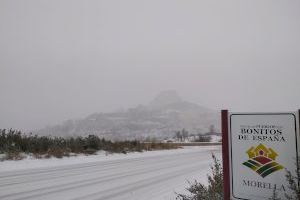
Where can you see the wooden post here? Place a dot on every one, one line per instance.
(297, 144)
(299, 120)
(225, 155)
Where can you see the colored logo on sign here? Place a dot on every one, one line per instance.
(262, 160)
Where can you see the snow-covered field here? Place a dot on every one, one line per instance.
(153, 175)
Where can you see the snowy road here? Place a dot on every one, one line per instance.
(139, 176)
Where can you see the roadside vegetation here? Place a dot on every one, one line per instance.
(294, 182)
(214, 189)
(15, 145)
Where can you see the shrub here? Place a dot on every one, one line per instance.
(294, 182)
(214, 190)
(90, 151)
(57, 152)
(13, 142)
(13, 155)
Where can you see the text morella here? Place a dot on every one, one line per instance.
(263, 185)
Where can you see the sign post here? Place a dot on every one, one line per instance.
(258, 148)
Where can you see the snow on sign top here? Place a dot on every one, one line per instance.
(261, 146)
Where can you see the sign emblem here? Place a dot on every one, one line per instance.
(262, 160)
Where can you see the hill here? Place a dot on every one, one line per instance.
(164, 115)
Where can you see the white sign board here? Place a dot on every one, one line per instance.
(261, 147)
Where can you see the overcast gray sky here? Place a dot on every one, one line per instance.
(62, 59)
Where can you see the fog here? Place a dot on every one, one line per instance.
(65, 59)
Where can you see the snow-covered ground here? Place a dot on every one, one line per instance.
(153, 175)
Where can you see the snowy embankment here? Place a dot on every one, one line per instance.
(153, 175)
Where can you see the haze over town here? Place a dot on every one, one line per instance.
(63, 60)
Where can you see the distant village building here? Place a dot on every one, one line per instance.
(212, 131)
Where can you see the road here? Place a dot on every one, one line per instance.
(149, 177)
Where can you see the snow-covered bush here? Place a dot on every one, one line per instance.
(14, 144)
(214, 189)
(294, 182)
